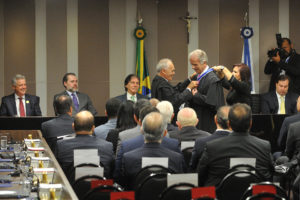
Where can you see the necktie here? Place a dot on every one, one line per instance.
(21, 107)
(75, 102)
(133, 98)
(282, 105)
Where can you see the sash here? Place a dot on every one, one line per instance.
(199, 77)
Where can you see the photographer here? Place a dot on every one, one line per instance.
(284, 60)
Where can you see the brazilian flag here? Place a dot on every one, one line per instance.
(141, 63)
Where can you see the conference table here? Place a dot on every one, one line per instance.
(264, 126)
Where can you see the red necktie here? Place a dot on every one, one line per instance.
(21, 107)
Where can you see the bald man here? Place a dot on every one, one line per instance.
(84, 128)
(187, 121)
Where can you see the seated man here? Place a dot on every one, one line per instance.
(138, 141)
(221, 121)
(279, 101)
(62, 125)
(84, 128)
(111, 111)
(215, 160)
(131, 85)
(80, 100)
(154, 128)
(20, 104)
(187, 121)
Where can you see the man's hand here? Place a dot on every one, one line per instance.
(194, 74)
(194, 91)
(276, 58)
(193, 84)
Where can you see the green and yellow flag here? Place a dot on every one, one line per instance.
(141, 64)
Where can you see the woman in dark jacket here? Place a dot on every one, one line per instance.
(237, 82)
(125, 121)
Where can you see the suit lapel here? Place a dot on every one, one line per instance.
(287, 104)
(13, 103)
(275, 100)
(81, 100)
(27, 105)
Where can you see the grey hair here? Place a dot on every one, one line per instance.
(166, 109)
(163, 64)
(153, 127)
(201, 55)
(17, 77)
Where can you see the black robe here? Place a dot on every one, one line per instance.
(162, 90)
(207, 100)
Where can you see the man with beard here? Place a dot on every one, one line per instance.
(80, 100)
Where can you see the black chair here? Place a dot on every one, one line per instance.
(146, 171)
(102, 192)
(263, 196)
(82, 185)
(187, 155)
(279, 191)
(151, 187)
(247, 167)
(235, 183)
(180, 191)
(255, 103)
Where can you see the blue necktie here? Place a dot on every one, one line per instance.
(75, 102)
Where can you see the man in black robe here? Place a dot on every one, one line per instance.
(163, 90)
(208, 96)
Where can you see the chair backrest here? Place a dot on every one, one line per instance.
(102, 192)
(147, 171)
(267, 196)
(187, 154)
(180, 191)
(82, 185)
(264, 187)
(235, 183)
(71, 173)
(152, 186)
(247, 167)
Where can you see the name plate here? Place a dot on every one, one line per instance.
(187, 144)
(191, 178)
(147, 161)
(86, 156)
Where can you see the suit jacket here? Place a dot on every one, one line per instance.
(62, 125)
(269, 103)
(215, 159)
(85, 103)
(188, 133)
(132, 161)
(123, 97)
(163, 90)
(128, 134)
(32, 105)
(200, 144)
(293, 141)
(137, 142)
(281, 141)
(102, 130)
(65, 148)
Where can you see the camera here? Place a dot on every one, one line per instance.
(273, 52)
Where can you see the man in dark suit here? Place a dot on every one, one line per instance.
(138, 141)
(154, 128)
(131, 85)
(186, 122)
(20, 104)
(215, 160)
(162, 90)
(279, 101)
(80, 100)
(84, 128)
(62, 125)
(281, 141)
(221, 121)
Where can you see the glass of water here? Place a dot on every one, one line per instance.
(3, 142)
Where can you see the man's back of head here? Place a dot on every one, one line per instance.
(84, 123)
(187, 117)
(240, 117)
(221, 118)
(146, 110)
(112, 107)
(63, 105)
(139, 105)
(154, 127)
(166, 109)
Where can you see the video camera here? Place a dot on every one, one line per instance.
(273, 52)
